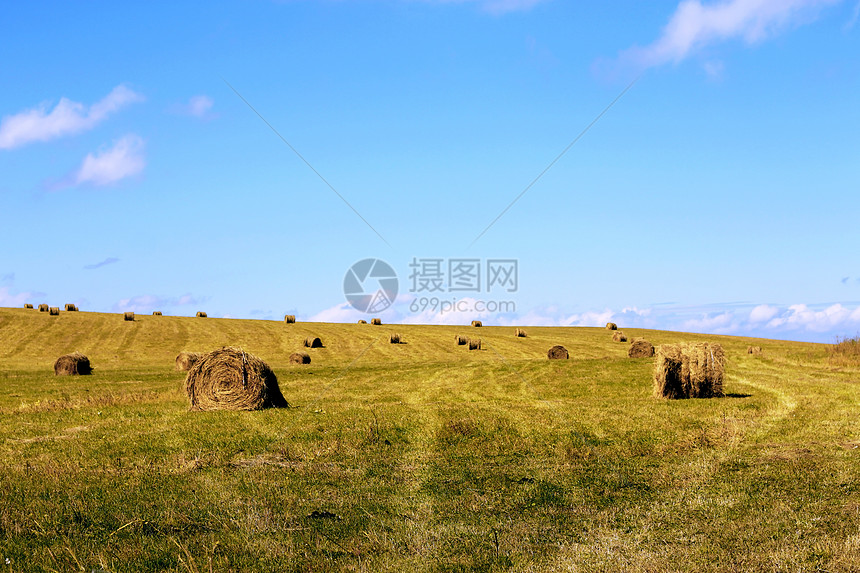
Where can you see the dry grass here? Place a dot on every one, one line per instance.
(156, 313)
(201, 314)
(54, 311)
(313, 342)
(128, 316)
(376, 321)
(689, 370)
(300, 358)
(362, 321)
(611, 326)
(71, 308)
(43, 308)
(477, 323)
(290, 318)
(640, 348)
(619, 336)
(846, 350)
(394, 338)
(461, 340)
(185, 360)
(520, 333)
(474, 344)
(28, 305)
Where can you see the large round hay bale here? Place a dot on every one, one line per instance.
(290, 318)
(377, 321)
(362, 321)
(611, 326)
(557, 352)
(668, 372)
(477, 323)
(474, 344)
(394, 338)
(619, 336)
(640, 348)
(43, 308)
(54, 311)
(71, 308)
(156, 313)
(28, 305)
(185, 360)
(129, 316)
(690, 370)
(754, 350)
(461, 340)
(521, 333)
(313, 342)
(73, 364)
(300, 358)
(201, 314)
(232, 379)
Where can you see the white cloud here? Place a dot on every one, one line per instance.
(148, 303)
(694, 26)
(67, 118)
(340, 313)
(801, 317)
(720, 323)
(763, 313)
(13, 300)
(122, 160)
(198, 106)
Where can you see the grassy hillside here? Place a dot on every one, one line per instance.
(422, 456)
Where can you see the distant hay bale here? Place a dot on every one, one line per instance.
(201, 314)
(394, 338)
(474, 344)
(300, 358)
(477, 323)
(232, 379)
(557, 352)
(290, 318)
(521, 333)
(313, 342)
(129, 316)
(640, 348)
(185, 360)
(611, 326)
(73, 364)
(619, 336)
(54, 311)
(43, 308)
(156, 313)
(461, 340)
(362, 321)
(71, 308)
(28, 305)
(691, 370)
(376, 321)
(754, 350)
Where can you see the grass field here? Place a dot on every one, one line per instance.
(422, 456)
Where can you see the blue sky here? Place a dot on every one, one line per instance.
(719, 194)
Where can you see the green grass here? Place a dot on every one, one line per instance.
(420, 457)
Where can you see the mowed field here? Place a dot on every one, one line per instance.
(423, 456)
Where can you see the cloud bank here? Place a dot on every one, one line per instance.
(107, 166)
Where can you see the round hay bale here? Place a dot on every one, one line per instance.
(477, 323)
(521, 333)
(394, 338)
(461, 340)
(71, 308)
(754, 350)
(313, 342)
(156, 313)
(619, 336)
(474, 344)
(232, 379)
(43, 308)
(640, 348)
(290, 318)
(201, 314)
(129, 316)
(73, 364)
(377, 321)
(691, 370)
(362, 321)
(54, 311)
(300, 358)
(611, 326)
(557, 352)
(185, 360)
(28, 305)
